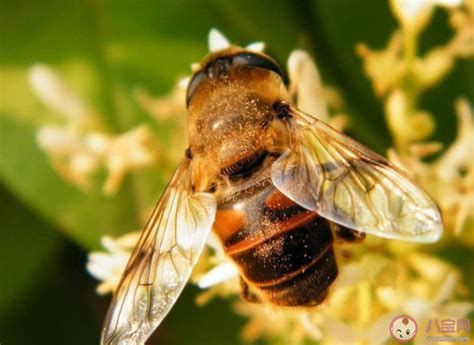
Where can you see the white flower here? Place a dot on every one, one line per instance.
(306, 83)
(134, 149)
(54, 92)
(217, 275)
(407, 125)
(109, 266)
(217, 41)
(384, 67)
(414, 14)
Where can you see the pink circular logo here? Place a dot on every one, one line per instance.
(403, 328)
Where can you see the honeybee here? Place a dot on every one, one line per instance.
(275, 184)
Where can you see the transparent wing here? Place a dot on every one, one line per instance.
(161, 263)
(329, 173)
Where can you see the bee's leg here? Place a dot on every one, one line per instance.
(246, 294)
(347, 234)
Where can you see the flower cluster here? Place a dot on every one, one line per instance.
(378, 279)
(399, 76)
(78, 146)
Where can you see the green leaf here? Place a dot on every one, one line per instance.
(60, 305)
(28, 247)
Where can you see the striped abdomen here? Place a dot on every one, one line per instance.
(284, 251)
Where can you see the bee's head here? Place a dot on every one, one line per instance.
(219, 65)
(230, 100)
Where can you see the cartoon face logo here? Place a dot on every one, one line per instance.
(403, 328)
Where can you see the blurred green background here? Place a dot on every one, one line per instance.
(103, 49)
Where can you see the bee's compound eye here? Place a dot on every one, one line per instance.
(259, 61)
(193, 85)
(219, 67)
